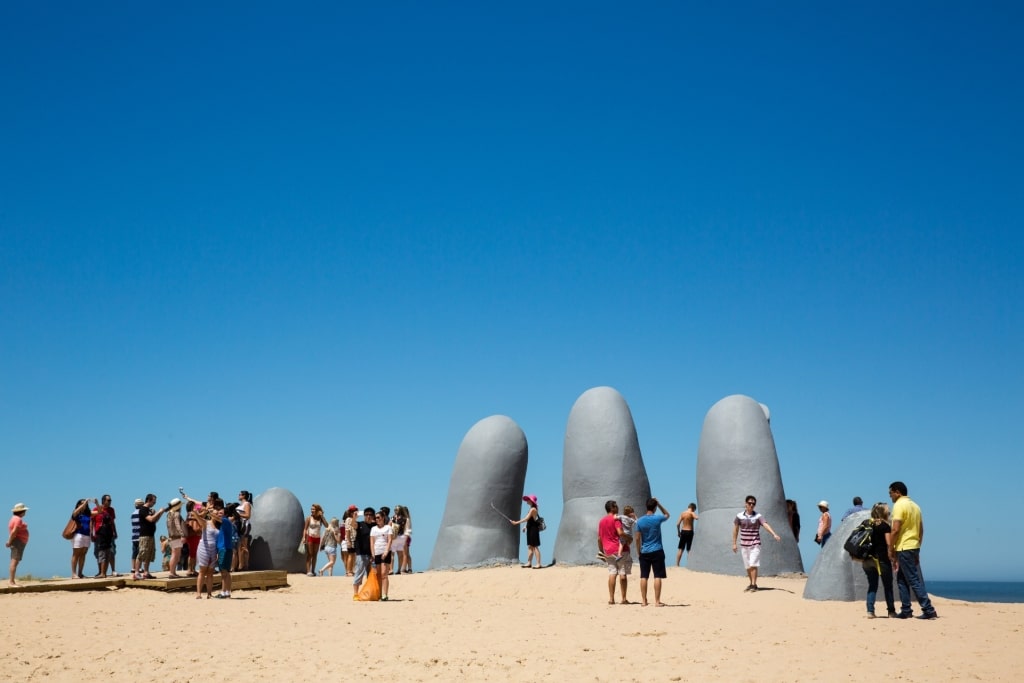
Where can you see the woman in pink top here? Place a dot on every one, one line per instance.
(17, 537)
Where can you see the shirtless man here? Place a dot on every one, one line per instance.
(685, 528)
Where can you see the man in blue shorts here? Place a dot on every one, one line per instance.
(652, 553)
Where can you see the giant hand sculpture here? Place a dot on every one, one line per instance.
(737, 458)
(487, 483)
(601, 461)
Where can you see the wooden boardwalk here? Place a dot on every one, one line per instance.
(250, 580)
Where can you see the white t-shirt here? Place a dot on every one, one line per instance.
(379, 536)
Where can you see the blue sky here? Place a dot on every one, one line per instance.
(255, 246)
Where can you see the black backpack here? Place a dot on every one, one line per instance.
(859, 542)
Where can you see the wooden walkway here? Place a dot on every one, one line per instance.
(262, 580)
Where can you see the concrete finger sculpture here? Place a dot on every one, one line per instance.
(277, 521)
(834, 575)
(601, 461)
(487, 482)
(736, 458)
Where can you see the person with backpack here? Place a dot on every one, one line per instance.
(877, 566)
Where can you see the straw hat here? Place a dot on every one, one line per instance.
(174, 504)
(823, 504)
(20, 507)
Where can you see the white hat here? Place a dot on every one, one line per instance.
(175, 502)
(20, 507)
(823, 504)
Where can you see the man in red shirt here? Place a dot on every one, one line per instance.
(609, 532)
(104, 531)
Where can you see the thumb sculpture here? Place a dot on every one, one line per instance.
(601, 461)
(277, 521)
(486, 486)
(737, 458)
(834, 575)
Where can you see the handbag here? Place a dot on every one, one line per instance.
(69, 529)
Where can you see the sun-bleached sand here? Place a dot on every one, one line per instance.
(499, 624)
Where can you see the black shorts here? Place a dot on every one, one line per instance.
(655, 560)
(685, 539)
(382, 559)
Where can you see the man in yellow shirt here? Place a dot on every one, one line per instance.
(905, 552)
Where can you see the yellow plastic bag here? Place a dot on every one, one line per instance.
(371, 588)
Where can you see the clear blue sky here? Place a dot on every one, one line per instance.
(252, 246)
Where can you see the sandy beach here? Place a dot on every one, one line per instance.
(499, 624)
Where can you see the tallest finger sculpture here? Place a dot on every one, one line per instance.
(601, 460)
(737, 458)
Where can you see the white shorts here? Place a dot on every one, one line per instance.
(176, 543)
(398, 543)
(80, 541)
(751, 555)
(622, 566)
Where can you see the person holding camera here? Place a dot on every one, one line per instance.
(147, 543)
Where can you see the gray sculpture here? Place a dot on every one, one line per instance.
(834, 575)
(486, 486)
(737, 458)
(277, 522)
(601, 460)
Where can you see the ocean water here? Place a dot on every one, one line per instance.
(978, 591)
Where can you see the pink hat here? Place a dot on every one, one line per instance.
(530, 498)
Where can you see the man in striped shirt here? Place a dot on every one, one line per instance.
(747, 526)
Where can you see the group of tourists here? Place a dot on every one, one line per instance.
(896, 551)
(375, 541)
(210, 537)
(896, 543)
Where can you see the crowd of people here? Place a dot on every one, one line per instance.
(213, 537)
(379, 543)
(896, 546)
